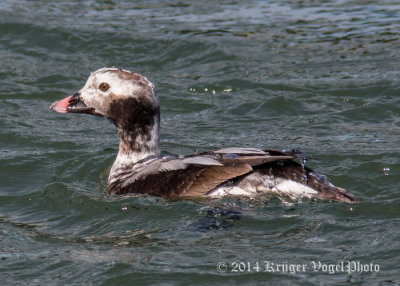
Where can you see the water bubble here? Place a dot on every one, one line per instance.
(301, 155)
(303, 162)
(386, 171)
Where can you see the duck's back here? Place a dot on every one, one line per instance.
(230, 171)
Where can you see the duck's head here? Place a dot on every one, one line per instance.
(120, 95)
(128, 100)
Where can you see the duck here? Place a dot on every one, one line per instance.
(129, 101)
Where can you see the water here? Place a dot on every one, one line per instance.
(318, 76)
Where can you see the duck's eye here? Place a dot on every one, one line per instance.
(104, 86)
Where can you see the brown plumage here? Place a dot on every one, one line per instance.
(129, 101)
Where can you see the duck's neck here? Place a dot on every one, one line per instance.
(137, 142)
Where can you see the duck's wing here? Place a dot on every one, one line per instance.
(194, 175)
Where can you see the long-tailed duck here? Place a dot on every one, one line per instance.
(130, 102)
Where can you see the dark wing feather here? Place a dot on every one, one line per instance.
(194, 175)
(214, 176)
(168, 183)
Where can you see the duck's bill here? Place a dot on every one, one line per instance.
(72, 103)
(61, 105)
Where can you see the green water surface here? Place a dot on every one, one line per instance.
(320, 76)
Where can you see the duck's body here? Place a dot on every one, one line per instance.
(129, 101)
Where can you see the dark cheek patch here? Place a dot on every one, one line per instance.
(132, 113)
(134, 119)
